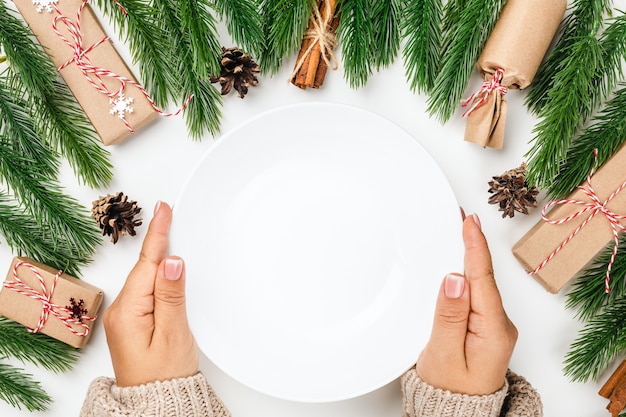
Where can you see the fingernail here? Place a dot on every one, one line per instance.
(157, 206)
(454, 285)
(462, 213)
(173, 269)
(477, 220)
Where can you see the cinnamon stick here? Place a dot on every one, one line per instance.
(311, 66)
(613, 380)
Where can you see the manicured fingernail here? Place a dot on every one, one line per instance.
(173, 269)
(157, 206)
(476, 220)
(462, 213)
(454, 285)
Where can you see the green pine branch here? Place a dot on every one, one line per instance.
(60, 120)
(41, 196)
(27, 237)
(585, 20)
(587, 294)
(386, 14)
(37, 348)
(589, 73)
(421, 25)
(606, 134)
(356, 34)
(284, 25)
(176, 47)
(599, 343)
(462, 45)
(244, 23)
(20, 390)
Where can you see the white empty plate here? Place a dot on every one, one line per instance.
(315, 238)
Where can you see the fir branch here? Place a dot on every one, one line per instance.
(203, 113)
(585, 20)
(149, 48)
(601, 340)
(570, 101)
(18, 389)
(462, 46)
(386, 14)
(587, 295)
(73, 230)
(37, 348)
(357, 34)
(284, 23)
(244, 23)
(199, 27)
(606, 134)
(26, 237)
(421, 26)
(61, 121)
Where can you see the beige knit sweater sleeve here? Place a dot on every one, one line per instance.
(516, 398)
(182, 397)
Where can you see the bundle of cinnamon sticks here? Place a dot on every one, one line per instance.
(316, 52)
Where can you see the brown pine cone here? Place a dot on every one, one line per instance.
(511, 192)
(115, 215)
(238, 71)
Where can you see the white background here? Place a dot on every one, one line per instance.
(154, 163)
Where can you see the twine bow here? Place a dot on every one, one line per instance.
(94, 74)
(594, 206)
(488, 86)
(45, 296)
(321, 36)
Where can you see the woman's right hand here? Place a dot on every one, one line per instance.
(472, 339)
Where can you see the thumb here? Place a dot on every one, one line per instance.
(451, 316)
(170, 311)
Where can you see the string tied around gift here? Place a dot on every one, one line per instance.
(593, 207)
(485, 90)
(320, 35)
(44, 296)
(95, 75)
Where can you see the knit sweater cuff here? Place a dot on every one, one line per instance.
(424, 400)
(191, 396)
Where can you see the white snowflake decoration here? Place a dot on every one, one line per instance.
(44, 4)
(121, 105)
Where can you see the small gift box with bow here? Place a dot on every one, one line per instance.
(48, 301)
(578, 227)
(86, 59)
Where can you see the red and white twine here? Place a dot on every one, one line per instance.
(488, 86)
(94, 74)
(594, 206)
(45, 296)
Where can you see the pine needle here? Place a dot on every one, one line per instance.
(585, 20)
(598, 344)
(244, 23)
(421, 27)
(20, 390)
(36, 348)
(462, 45)
(386, 14)
(284, 23)
(356, 35)
(606, 134)
(60, 120)
(587, 295)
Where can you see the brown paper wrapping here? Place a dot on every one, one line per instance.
(518, 43)
(95, 104)
(24, 310)
(540, 241)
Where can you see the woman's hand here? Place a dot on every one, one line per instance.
(472, 339)
(146, 326)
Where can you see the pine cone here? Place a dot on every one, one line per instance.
(238, 70)
(510, 191)
(115, 215)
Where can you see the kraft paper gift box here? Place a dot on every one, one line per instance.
(77, 302)
(96, 105)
